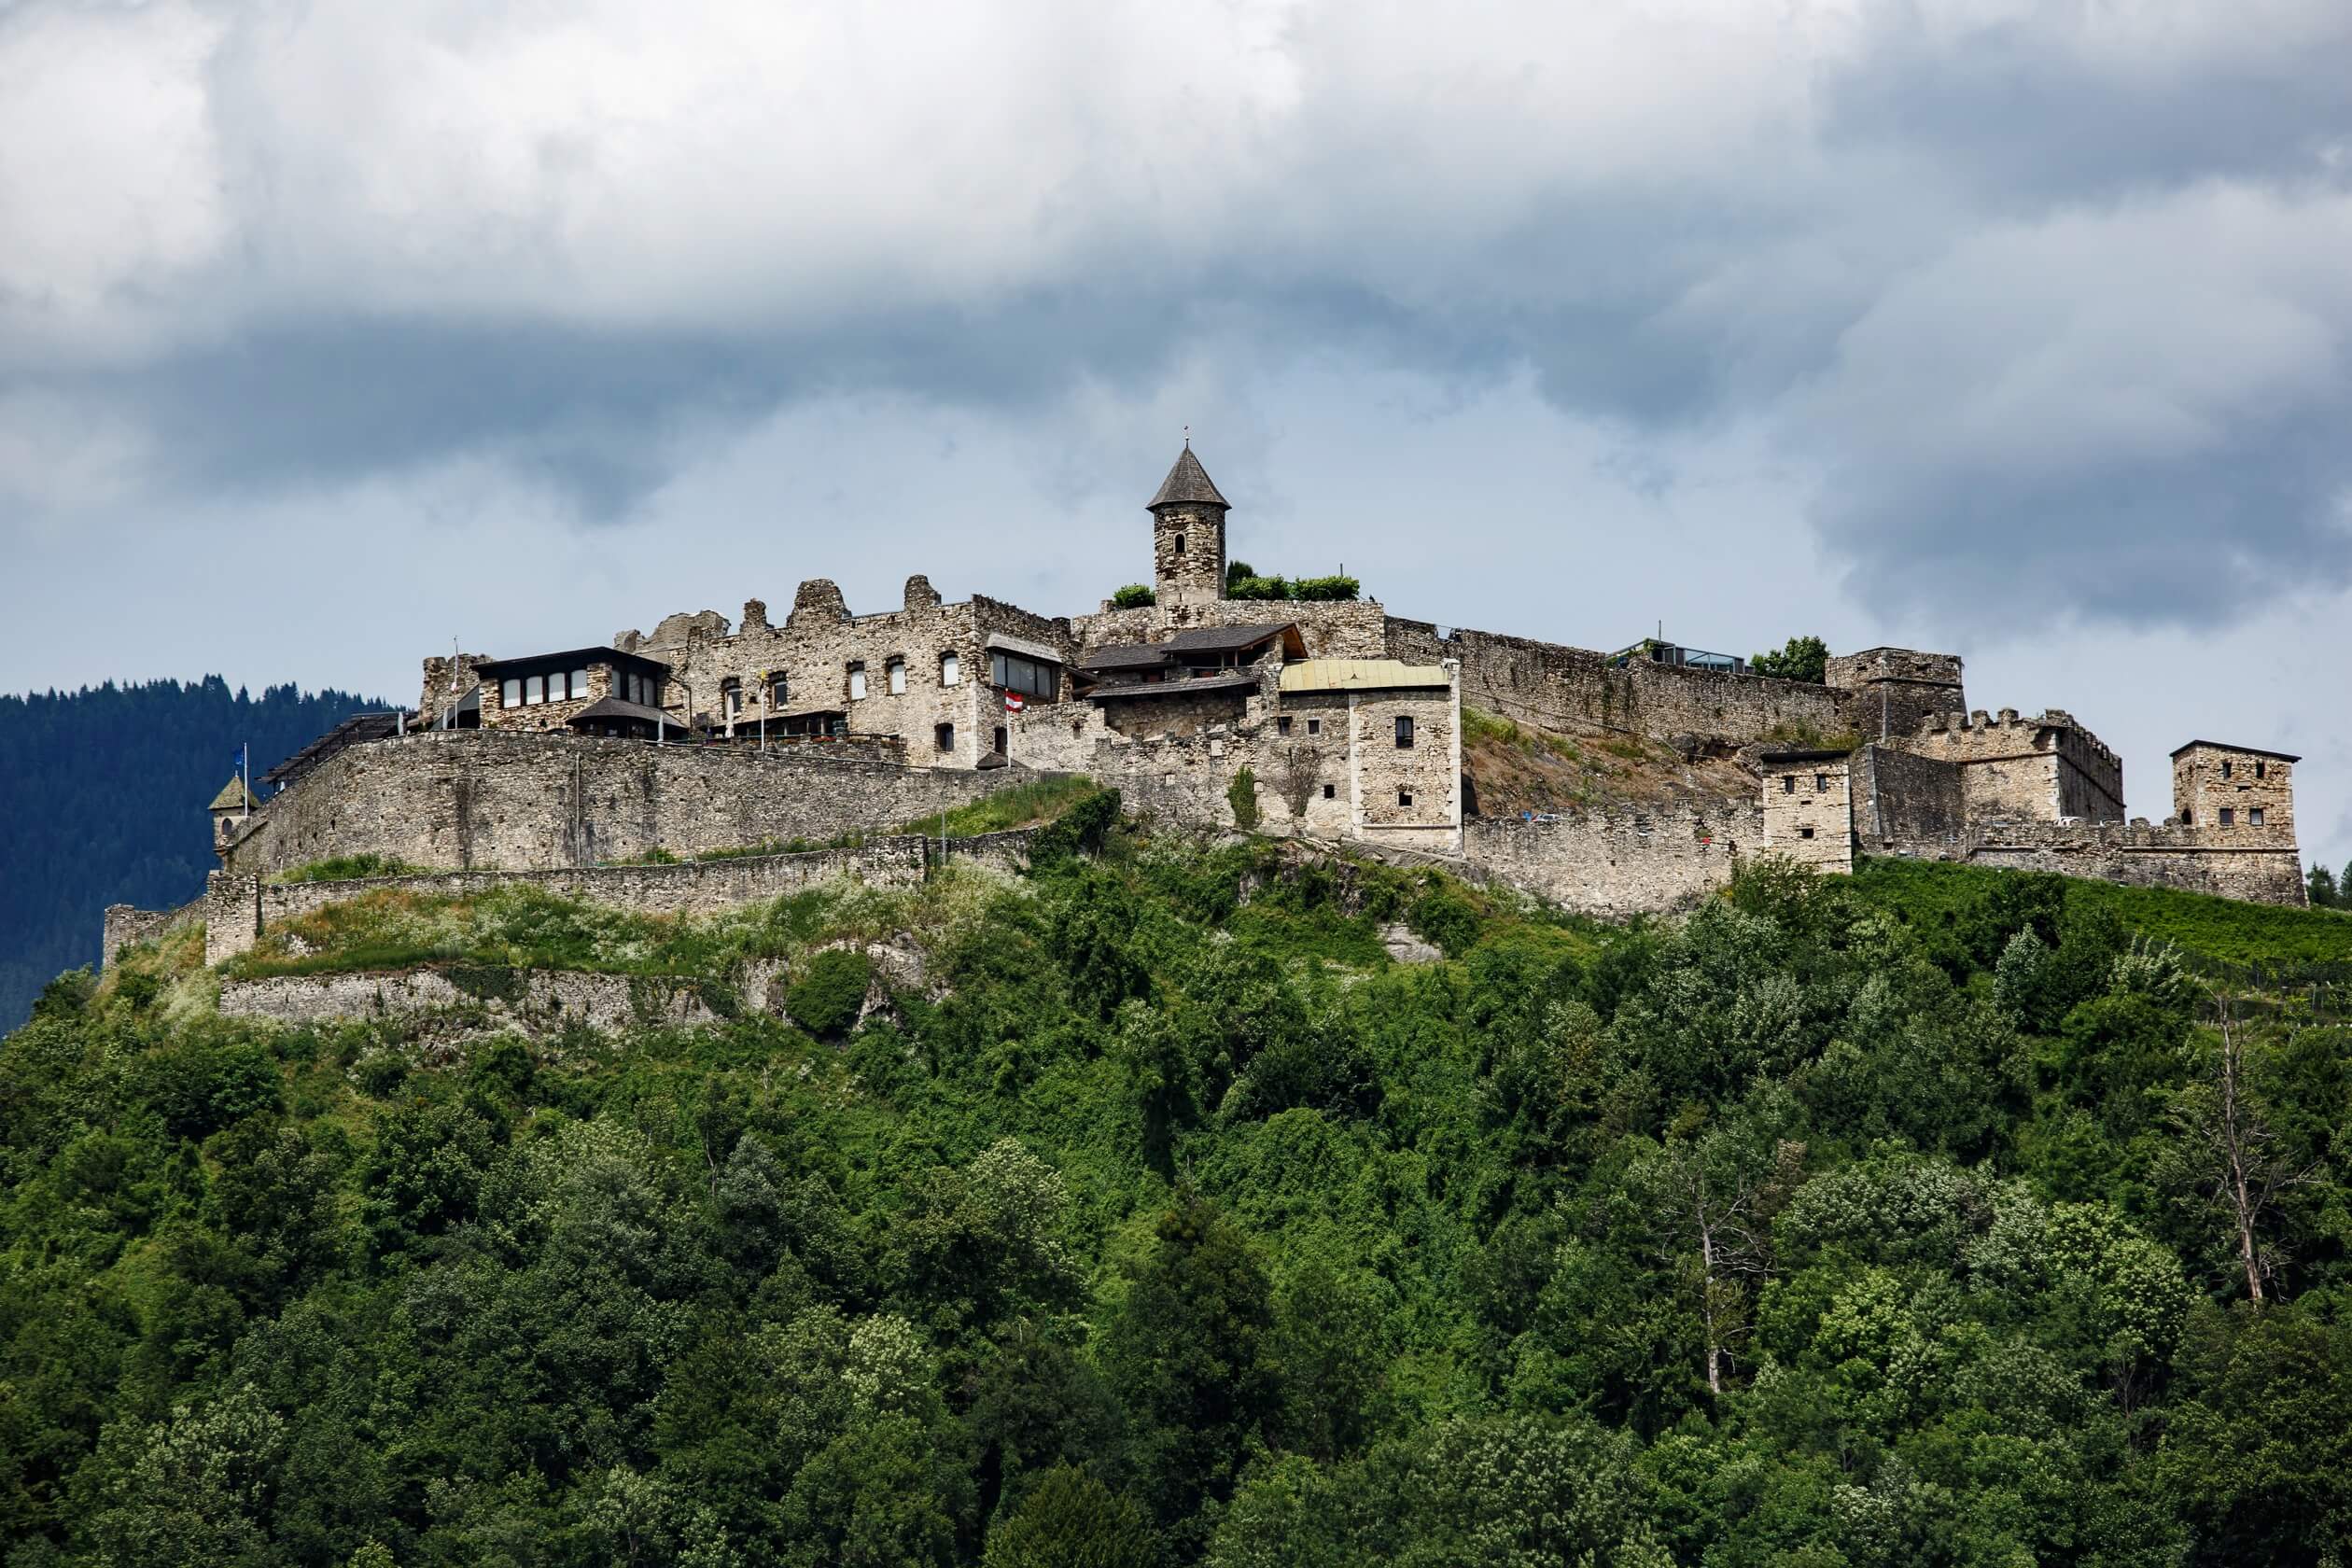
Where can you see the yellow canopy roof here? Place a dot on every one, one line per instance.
(1359, 674)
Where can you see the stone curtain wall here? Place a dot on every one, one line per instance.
(2035, 770)
(123, 926)
(541, 1001)
(1614, 864)
(2239, 866)
(1900, 797)
(1567, 689)
(240, 907)
(478, 799)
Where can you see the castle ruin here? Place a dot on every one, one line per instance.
(1335, 721)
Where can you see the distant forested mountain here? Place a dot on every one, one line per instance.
(102, 801)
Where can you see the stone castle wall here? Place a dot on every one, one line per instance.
(1331, 629)
(1900, 797)
(2254, 782)
(1571, 689)
(1809, 812)
(2249, 866)
(538, 1001)
(1614, 864)
(123, 926)
(466, 799)
(1892, 691)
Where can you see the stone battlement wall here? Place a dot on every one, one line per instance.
(2040, 768)
(123, 926)
(479, 799)
(2236, 863)
(1558, 688)
(1331, 629)
(1900, 797)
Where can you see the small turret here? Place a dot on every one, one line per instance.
(227, 808)
(1188, 534)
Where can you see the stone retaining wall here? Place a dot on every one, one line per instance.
(538, 1001)
(470, 799)
(1614, 864)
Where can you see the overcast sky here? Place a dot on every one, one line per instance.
(331, 332)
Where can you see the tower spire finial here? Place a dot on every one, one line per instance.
(1188, 438)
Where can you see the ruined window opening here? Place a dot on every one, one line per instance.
(1788, 783)
(2188, 817)
(1282, 726)
(1315, 726)
(1180, 545)
(896, 670)
(1821, 783)
(2260, 769)
(950, 669)
(945, 735)
(857, 682)
(1331, 791)
(1404, 797)
(2225, 768)
(2254, 817)
(1804, 833)
(999, 740)
(1404, 730)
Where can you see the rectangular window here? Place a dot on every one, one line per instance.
(1804, 833)
(896, 669)
(511, 693)
(535, 689)
(2229, 815)
(579, 684)
(1180, 545)
(1821, 783)
(945, 735)
(1404, 797)
(1404, 729)
(2254, 817)
(2260, 768)
(1282, 726)
(1315, 726)
(1330, 791)
(2225, 770)
(1030, 676)
(950, 669)
(857, 682)
(1788, 783)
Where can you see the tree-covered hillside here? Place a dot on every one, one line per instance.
(102, 801)
(1154, 1214)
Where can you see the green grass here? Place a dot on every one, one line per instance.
(350, 868)
(1477, 724)
(1022, 805)
(1933, 893)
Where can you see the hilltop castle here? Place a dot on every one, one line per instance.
(1334, 721)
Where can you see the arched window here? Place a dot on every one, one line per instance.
(950, 668)
(896, 671)
(857, 682)
(779, 689)
(731, 696)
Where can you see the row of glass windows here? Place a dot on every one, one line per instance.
(894, 676)
(532, 689)
(1030, 676)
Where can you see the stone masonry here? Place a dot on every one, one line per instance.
(1809, 809)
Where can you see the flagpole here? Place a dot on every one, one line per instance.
(245, 775)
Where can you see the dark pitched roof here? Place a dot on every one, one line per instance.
(351, 732)
(1187, 484)
(1817, 754)
(232, 797)
(1230, 680)
(1231, 640)
(2225, 746)
(613, 707)
(491, 667)
(1141, 655)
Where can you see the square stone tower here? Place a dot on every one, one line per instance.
(1188, 534)
(2234, 787)
(1809, 809)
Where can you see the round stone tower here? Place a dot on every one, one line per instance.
(1188, 534)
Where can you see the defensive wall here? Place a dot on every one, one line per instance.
(538, 1001)
(2044, 768)
(2233, 863)
(239, 908)
(1568, 689)
(464, 799)
(1614, 864)
(1331, 629)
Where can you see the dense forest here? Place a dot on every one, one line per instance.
(102, 801)
(1151, 1214)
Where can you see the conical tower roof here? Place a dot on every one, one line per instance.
(232, 796)
(1187, 484)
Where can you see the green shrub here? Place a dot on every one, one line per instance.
(1242, 796)
(1135, 595)
(825, 1000)
(1079, 830)
(1448, 919)
(1338, 586)
(1802, 658)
